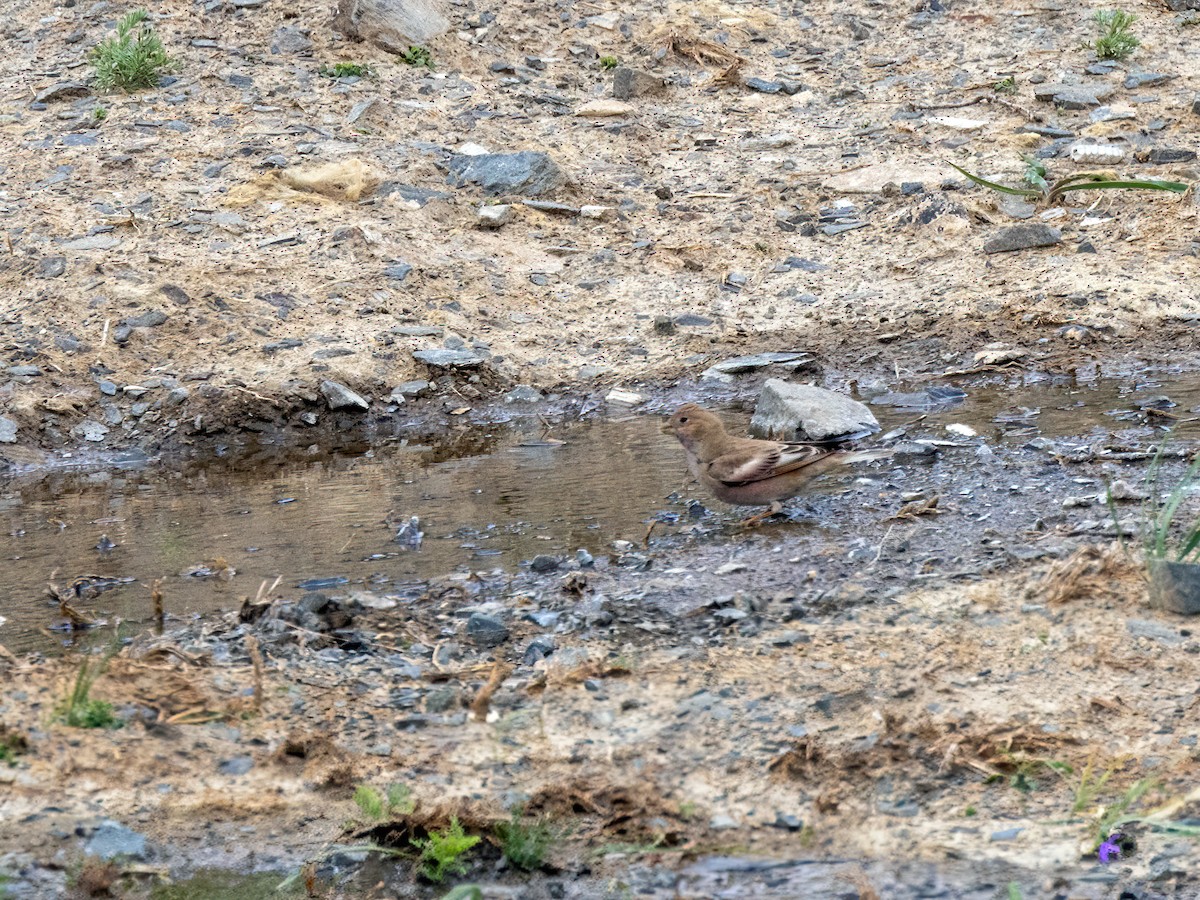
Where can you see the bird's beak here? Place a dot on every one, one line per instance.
(666, 427)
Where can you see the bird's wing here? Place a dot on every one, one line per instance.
(757, 460)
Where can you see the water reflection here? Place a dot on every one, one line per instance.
(485, 499)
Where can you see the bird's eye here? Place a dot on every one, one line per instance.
(682, 420)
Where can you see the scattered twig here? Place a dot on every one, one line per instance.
(156, 597)
(257, 661)
(479, 706)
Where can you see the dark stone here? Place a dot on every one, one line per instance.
(486, 631)
(1164, 156)
(51, 266)
(398, 271)
(148, 319)
(338, 396)
(175, 294)
(112, 839)
(630, 83)
(1049, 131)
(538, 649)
(1022, 237)
(239, 765)
(788, 821)
(763, 86)
(62, 91)
(288, 39)
(285, 344)
(443, 359)
(1074, 96)
(1146, 79)
(544, 563)
(528, 173)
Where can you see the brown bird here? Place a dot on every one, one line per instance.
(750, 472)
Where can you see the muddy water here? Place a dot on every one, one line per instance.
(510, 496)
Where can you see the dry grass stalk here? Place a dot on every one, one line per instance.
(156, 597)
(257, 660)
(483, 700)
(1089, 572)
(862, 884)
(704, 53)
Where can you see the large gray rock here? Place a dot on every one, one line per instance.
(111, 839)
(338, 396)
(1074, 96)
(449, 359)
(8, 431)
(805, 412)
(394, 25)
(528, 173)
(630, 83)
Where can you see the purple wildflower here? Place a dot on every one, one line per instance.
(1110, 848)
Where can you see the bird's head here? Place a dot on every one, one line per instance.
(692, 424)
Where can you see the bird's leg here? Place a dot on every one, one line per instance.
(774, 510)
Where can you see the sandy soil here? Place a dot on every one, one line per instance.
(996, 724)
(174, 180)
(933, 721)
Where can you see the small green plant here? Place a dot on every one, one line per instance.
(1014, 891)
(609, 62)
(1158, 525)
(12, 745)
(99, 114)
(369, 801)
(376, 806)
(417, 56)
(1116, 40)
(442, 851)
(134, 58)
(524, 845)
(1040, 189)
(78, 709)
(1005, 85)
(970, 811)
(1026, 768)
(1116, 813)
(346, 70)
(464, 892)
(400, 799)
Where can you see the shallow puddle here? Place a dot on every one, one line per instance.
(330, 522)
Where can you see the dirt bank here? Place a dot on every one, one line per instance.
(166, 286)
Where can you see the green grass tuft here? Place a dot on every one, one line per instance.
(442, 852)
(464, 892)
(609, 62)
(132, 59)
(376, 806)
(524, 845)
(346, 70)
(78, 709)
(370, 802)
(1116, 40)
